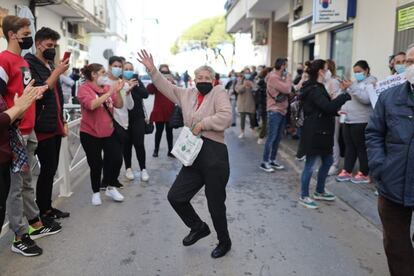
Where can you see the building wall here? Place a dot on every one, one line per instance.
(278, 41)
(47, 18)
(374, 35)
(10, 6)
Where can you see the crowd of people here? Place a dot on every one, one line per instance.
(330, 115)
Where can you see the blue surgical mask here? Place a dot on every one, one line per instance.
(128, 74)
(116, 72)
(359, 76)
(247, 76)
(399, 68)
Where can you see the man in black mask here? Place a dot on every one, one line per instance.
(50, 125)
(299, 71)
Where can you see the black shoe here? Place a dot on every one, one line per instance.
(57, 214)
(221, 249)
(196, 235)
(233, 125)
(50, 227)
(26, 246)
(155, 154)
(171, 155)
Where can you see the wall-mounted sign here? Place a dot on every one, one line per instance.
(330, 11)
(405, 19)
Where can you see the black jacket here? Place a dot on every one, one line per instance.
(319, 112)
(46, 108)
(138, 94)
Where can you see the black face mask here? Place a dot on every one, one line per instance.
(204, 87)
(299, 71)
(26, 43)
(49, 53)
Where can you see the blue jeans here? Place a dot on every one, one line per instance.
(327, 161)
(275, 126)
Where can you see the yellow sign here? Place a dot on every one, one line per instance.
(406, 19)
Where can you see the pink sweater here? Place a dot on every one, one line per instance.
(96, 122)
(275, 86)
(214, 112)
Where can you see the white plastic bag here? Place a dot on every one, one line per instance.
(187, 147)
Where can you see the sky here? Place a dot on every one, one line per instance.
(173, 18)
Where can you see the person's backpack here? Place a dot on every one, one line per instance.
(297, 116)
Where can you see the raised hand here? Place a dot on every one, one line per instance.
(30, 94)
(146, 59)
(63, 66)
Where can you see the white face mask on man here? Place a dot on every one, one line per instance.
(409, 74)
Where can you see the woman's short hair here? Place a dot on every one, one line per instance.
(205, 68)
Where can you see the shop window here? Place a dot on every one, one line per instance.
(341, 51)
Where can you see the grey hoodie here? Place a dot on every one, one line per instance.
(359, 108)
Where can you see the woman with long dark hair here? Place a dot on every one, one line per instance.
(97, 132)
(318, 131)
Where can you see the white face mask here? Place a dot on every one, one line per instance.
(409, 74)
(101, 80)
(328, 75)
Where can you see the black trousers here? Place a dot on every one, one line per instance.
(48, 153)
(396, 223)
(354, 138)
(159, 129)
(4, 190)
(111, 162)
(136, 135)
(211, 168)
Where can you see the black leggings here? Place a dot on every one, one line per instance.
(48, 153)
(159, 128)
(136, 134)
(4, 190)
(354, 138)
(111, 162)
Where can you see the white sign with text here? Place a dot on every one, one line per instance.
(381, 86)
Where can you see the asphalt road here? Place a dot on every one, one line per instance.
(271, 233)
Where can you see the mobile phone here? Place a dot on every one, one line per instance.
(66, 55)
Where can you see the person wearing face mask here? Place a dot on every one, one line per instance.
(279, 87)
(161, 113)
(357, 111)
(115, 70)
(390, 146)
(50, 125)
(299, 73)
(231, 90)
(97, 133)
(399, 63)
(23, 213)
(318, 131)
(246, 105)
(136, 125)
(207, 110)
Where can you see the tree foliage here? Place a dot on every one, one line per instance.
(206, 34)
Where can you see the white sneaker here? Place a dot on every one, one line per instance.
(113, 193)
(144, 175)
(129, 174)
(241, 136)
(333, 170)
(96, 199)
(260, 141)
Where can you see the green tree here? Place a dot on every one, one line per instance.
(206, 34)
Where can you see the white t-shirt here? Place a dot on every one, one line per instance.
(121, 114)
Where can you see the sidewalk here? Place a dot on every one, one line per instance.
(360, 197)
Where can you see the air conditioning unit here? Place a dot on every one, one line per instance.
(260, 31)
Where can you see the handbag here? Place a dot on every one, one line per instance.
(187, 147)
(120, 132)
(176, 119)
(149, 126)
(20, 160)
